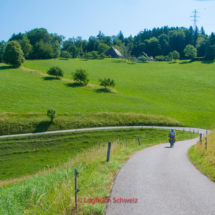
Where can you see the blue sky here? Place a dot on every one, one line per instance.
(85, 18)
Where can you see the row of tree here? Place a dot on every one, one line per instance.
(40, 44)
(81, 76)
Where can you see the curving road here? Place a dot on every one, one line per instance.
(162, 179)
(164, 182)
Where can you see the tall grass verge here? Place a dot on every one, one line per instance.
(12, 123)
(203, 159)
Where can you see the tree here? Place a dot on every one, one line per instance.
(202, 44)
(102, 56)
(74, 51)
(94, 54)
(132, 59)
(51, 114)
(65, 54)
(42, 50)
(212, 39)
(164, 43)
(153, 47)
(81, 76)
(210, 53)
(120, 36)
(190, 51)
(56, 49)
(103, 48)
(3, 45)
(26, 47)
(13, 54)
(100, 36)
(177, 40)
(55, 71)
(106, 82)
(175, 55)
(170, 57)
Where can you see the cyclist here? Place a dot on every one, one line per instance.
(172, 134)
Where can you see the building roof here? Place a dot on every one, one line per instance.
(143, 54)
(113, 52)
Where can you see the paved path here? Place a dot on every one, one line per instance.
(104, 128)
(165, 183)
(162, 179)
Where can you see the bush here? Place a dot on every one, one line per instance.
(132, 59)
(65, 54)
(13, 54)
(106, 82)
(55, 71)
(102, 55)
(175, 55)
(95, 55)
(161, 58)
(51, 114)
(88, 55)
(81, 76)
(142, 59)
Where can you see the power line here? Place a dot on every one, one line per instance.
(195, 19)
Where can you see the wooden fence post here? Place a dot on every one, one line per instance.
(76, 189)
(138, 140)
(201, 139)
(108, 152)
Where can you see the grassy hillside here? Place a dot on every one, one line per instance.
(204, 160)
(52, 191)
(183, 91)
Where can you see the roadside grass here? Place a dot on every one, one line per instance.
(26, 155)
(204, 160)
(52, 191)
(183, 91)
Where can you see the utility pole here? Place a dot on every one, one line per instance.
(195, 19)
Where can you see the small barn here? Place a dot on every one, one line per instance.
(143, 54)
(113, 52)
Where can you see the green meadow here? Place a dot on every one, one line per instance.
(183, 91)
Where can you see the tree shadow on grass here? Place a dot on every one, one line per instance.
(75, 84)
(83, 59)
(50, 78)
(172, 62)
(208, 61)
(103, 90)
(118, 61)
(186, 62)
(131, 63)
(42, 126)
(63, 58)
(7, 67)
